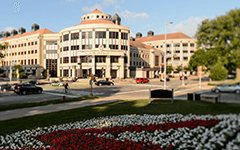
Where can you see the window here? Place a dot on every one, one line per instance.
(28, 61)
(177, 45)
(100, 59)
(35, 61)
(25, 52)
(25, 62)
(76, 47)
(65, 59)
(28, 52)
(168, 45)
(130, 63)
(130, 54)
(114, 59)
(136, 55)
(32, 51)
(25, 44)
(156, 60)
(18, 53)
(185, 44)
(157, 46)
(185, 58)
(192, 51)
(86, 36)
(102, 16)
(35, 42)
(87, 17)
(74, 36)
(125, 59)
(32, 61)
(74, 59)
(32, 43)
(21, 53)
(35, 51)
(65, 37)
(28, 43)
(177, 58)
(21, 45)
(192, 44)
(61, 39)
(185, 51)
(66, 48)
(61, 60)
(124, 36)
(97, 16)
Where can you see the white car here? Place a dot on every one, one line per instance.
(57, 83)
(227, 88)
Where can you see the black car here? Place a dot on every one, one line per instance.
(162, 80)
(34, 82)
(103, 82)
(6, 87)
(27, 88)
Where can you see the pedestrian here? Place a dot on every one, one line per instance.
(66, 87)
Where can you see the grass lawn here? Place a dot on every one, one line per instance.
(117, 108)
(42, 103)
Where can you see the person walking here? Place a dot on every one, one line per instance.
(66, 87)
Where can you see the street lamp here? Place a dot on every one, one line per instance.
(165, 50)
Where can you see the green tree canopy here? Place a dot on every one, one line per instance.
(169, 69)
(20, 70)
(220, 38)
(218, 72)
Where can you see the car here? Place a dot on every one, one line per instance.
(34, 82)
(3, 75)
(227, 88)
(57, 83)
(27, 88)
(162, 80)
(185, 77)
(103, 82)
(6, 87)
(141, 80)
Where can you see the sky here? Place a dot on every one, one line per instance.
(140, 15)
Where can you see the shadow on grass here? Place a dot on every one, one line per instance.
(157, 107)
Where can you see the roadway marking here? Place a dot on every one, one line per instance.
(184, 90)
(60, 94)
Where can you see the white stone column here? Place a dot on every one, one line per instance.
(69, 72)
(93, 65)
(121, 60)
(108, 67)
(73, 71)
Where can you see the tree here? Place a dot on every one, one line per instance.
(169, 69)
(2, 48)
(218, 72)
(197, 59)
(179, 68)
(220, 40)
(20, 70)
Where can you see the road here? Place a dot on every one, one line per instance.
(126, 91)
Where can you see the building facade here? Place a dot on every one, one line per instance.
(98, 45)
(179, 47)
(29, 50)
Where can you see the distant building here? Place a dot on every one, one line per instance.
(35, 50)
(179, 49)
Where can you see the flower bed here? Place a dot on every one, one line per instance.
(173, 131)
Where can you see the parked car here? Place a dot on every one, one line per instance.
(103, 82)
(162, 80)
(6, 87)
(141, 80)
(185, 77)
(57, 83)
(34, 82)
(227, 88)
(3, 75)
(27, 88)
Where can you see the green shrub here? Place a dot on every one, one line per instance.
(218, 72)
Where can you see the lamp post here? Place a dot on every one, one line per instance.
(183, 77)
(165, 50)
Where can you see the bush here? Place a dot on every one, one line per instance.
(218, 72)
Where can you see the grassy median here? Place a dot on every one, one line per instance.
(117, 108)
(42, 103)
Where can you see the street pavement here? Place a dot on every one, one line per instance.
(179, 93)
